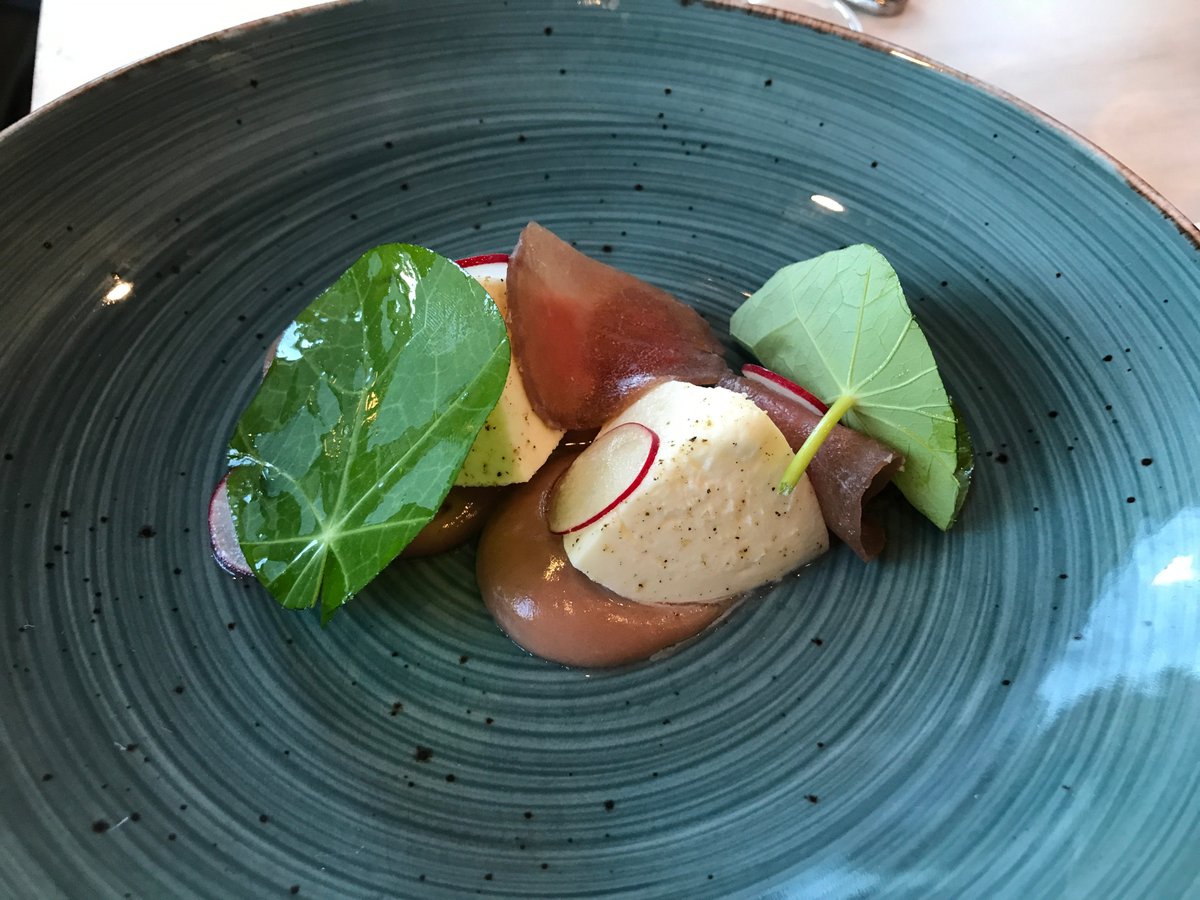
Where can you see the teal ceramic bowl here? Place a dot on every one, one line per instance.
(1009, 710)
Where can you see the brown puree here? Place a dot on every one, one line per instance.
(461, 516)
(555, 611)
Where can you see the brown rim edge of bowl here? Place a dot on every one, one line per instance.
(1139, 185)
(1189, 229)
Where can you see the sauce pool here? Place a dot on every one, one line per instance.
(553, 610)
(459, 519)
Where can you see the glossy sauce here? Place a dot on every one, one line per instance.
(460, 518)
(555, 611)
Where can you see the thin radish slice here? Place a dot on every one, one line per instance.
(776, 382)
(225, 546)
(601, 477)
(489, 265)
(270, 355)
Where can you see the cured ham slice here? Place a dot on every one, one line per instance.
(848, 470)
(588, 338)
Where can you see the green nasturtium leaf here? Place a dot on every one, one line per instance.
(361, 425)
(839, 325)
(966, 460)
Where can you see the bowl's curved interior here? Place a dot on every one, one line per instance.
(1011, 708)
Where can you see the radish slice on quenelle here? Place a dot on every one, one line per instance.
(489, 265)
(225, 546)
(776, 382)
(601, 477)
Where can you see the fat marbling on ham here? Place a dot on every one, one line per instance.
(588, 337)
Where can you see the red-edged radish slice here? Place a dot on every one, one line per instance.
(225, 546)
(601, 477)
(776, 382)
(270, 355)
(489, 265)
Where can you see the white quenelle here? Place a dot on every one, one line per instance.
(707, 521)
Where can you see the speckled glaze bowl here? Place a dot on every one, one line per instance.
(1009, 710)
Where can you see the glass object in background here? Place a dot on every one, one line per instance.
(878, 7)
(839, 12)
(835, 11)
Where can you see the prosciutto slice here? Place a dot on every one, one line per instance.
(588, 338)
(848, 470)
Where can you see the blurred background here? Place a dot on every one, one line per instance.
(18, 38)
(1123, 73)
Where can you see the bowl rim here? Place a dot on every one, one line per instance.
(1189, 229)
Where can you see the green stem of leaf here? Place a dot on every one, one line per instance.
(813, 442)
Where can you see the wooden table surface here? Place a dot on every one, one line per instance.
(1123, 73)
